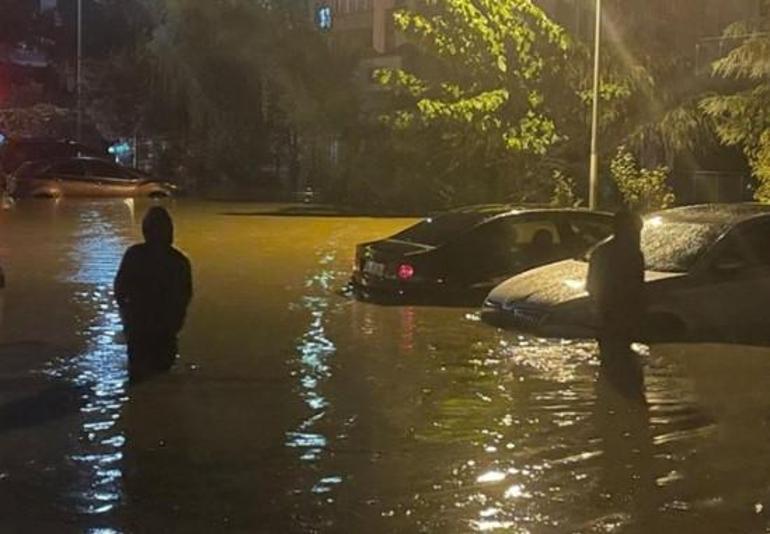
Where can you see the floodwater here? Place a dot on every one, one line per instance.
(296, 409)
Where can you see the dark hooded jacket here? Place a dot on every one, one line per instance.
(153, 286)
(616, 273)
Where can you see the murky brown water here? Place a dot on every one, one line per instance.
(295, 409)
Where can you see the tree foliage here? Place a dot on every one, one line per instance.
(250, 87)
(642, 189)
(742, 117)
(564, 191)
(477, 100)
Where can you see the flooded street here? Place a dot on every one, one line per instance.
(294, 408)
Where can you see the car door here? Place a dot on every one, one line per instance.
(109, 179)
(732, 296)
(494, 251)
(69, 177)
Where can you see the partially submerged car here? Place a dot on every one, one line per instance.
(16, 151)
(84, 177)
(707, 278)
(461, 254)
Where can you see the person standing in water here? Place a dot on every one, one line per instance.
(153, 288)
(616, 283)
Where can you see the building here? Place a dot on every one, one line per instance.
(367, 27)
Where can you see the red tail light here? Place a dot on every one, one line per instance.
(405, 271)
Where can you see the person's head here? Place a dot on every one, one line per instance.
(157, 227)
(627, 226)
(542, 239)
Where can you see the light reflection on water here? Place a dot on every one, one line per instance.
(315, 352)
(100, 370)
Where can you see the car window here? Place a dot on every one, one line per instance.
(102, 169)
(589, 231)
(512, 243)
(69, 168)
(536, 231)
(750, 244)
(31, 169)
(435, 231)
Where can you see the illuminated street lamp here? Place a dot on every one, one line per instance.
(593, 193)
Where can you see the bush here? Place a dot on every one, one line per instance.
(642, 189)
(563, 194)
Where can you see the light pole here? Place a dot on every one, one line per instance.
(593, 195)
(79, 73)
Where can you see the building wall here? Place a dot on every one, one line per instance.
(370, 20)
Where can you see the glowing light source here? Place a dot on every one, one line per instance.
(323, 18)
(405, 271)
(654, 221)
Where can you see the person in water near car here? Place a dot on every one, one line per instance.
(616, 283)
(153, 288)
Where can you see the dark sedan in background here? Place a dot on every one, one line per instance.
(707, 279)
(84, 177)
(463, 253)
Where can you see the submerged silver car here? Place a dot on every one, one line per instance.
(707, 278)
(84, 177)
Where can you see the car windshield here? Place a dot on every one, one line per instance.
(435, 231)
(674, 246)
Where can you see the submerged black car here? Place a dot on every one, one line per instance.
(466, 252)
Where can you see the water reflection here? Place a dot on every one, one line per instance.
(395, 419)
(100, 369)
(315, 350)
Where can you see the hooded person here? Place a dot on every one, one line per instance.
(153, 288)
(616, 284)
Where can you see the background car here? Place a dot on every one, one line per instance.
(15, 151)
(707, 279)
(84, 177)
(465, 252)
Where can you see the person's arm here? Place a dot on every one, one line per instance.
(592, 278)
(183, 293)
(120, 286)
(187, 284)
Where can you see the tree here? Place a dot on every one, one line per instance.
(475, 104)
(741, 117)
(252, 91)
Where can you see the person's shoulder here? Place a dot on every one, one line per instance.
(180, 256)
(135, 250)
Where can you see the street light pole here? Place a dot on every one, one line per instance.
(79, 73)
(593, 198)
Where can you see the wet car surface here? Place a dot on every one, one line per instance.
(707, 279)
(294, 409)
(457, 256)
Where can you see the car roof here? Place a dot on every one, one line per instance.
(41, 140)
(719, 214)
(54, 161)
(490, 211)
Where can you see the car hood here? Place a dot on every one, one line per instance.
(552, 285)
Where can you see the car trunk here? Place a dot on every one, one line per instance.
(380, 259)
